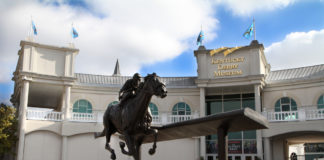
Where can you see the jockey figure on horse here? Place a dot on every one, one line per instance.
(131, 117)
(128, 91)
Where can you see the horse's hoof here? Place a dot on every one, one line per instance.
(151, 151)
(122, 144)
(113, 156)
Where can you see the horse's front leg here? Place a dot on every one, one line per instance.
(138, 143)
(130, 145)
(155, 134)
(108, 133)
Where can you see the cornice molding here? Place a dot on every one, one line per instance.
(65, 49)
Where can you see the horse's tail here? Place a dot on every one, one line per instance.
(100, 134)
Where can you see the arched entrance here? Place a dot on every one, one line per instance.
(306, 144)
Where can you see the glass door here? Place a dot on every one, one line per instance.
(235, 157)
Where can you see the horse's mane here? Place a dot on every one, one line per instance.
(149, 76)
(146, 78)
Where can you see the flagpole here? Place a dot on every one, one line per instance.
(31, 31)
(30, 26)
(254, 29)
(71, 36)
(201, 31)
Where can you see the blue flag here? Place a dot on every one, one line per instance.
(249, 32)
(34, 28)
(200, 38)
(74, 33)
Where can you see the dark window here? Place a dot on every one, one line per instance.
(82, 106)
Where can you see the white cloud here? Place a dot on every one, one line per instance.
(136, 32)
(247, 7)
(298, 49)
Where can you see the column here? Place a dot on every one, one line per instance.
(202, 114)
(67, 97)
(197, 148)
(257, 100)
(64, 148)
(267, 149)
(66, 113)
(222, 143)
(22, 116)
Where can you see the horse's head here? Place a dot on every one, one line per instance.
(155, 86)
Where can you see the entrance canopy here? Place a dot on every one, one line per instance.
(238, 120)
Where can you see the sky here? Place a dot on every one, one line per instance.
(160, 35)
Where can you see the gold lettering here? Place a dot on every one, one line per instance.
(227, 73)
(219, 67)
(227, 60)
(227, 67)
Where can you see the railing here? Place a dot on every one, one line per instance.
(282, 116)
(163, 118)
(315, 114)
(156, 119)
(83, 117)
(120, 80)
(44, 115)
(301, 114)
(179, 118)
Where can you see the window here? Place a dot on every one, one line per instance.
(181, 109)
(238, 142)
(154, 109)
(249, 142)
(285, 104)
(113, 103)
(225, 103)
(232, 102)
(320, 102)
(82, 106)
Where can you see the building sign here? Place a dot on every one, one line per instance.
(235, 147)
(211, 147)
(250, 146)
(314, 147)
(226, 66)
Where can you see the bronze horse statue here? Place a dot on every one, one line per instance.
(130, 119)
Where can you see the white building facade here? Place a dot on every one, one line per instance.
(59, 110)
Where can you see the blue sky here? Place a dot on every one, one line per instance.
(159, 36)
(271, 26)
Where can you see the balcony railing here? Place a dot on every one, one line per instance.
(301, 114)
(179, 118)
(83, 117)
(156, 119)
(314, 114)
(163, 118)
(44, 115)
(282, 116)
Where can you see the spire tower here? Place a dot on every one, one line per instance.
(117, 71)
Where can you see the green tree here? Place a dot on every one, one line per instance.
(8, 129)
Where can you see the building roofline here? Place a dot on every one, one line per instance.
(275, 77)
(295, 74)
(23, 43)
(254, 44)
(296, 68)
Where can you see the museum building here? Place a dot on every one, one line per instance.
(59, 110)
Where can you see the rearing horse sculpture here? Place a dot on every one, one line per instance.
(129, 120)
